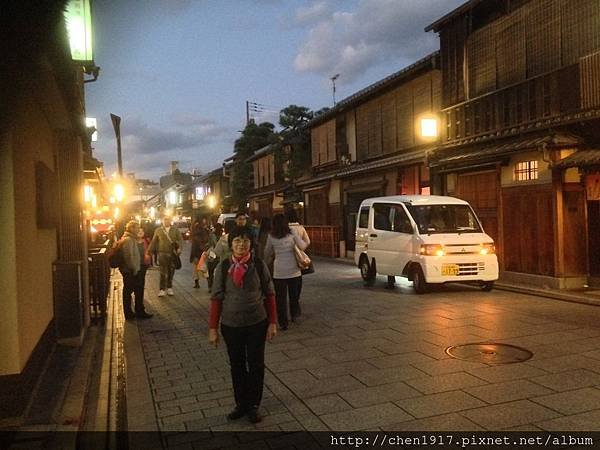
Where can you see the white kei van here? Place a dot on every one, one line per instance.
(426, 238)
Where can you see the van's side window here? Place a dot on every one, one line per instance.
(401, 223)
(382, 217)
(363, 218)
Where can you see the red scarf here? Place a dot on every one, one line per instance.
(238, 269)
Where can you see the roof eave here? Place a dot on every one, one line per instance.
(437, 25)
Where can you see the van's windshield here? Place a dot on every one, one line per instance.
(432, 219)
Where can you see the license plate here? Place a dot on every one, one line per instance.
(450, 270)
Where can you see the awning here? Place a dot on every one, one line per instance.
(581, 158)
(490, 152)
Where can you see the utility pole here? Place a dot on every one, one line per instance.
(116, 121)
(333, 78)
(247, 113)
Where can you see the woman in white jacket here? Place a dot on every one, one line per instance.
(287, 277)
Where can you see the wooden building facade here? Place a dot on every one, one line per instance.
(268, 183)
(520, 101)
(370, 145)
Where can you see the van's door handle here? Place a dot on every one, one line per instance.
(372, 235)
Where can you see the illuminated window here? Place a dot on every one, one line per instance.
(526, 170)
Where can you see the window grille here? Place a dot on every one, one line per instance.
(526, 170)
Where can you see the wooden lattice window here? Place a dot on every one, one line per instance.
(526, 171)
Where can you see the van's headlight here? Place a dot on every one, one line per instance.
(487, 249)
(432, 250)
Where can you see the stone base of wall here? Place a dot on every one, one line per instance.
(543, 282)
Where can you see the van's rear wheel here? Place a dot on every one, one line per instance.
(366, 271)
(418, 279)
(487, 286)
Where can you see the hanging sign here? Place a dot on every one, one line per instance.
(78, 18)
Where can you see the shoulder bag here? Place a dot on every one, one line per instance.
(175, 259)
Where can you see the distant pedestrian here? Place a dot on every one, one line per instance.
(212, 260)
(263, 234)
(140, 281)
(243, 300)
(200, 238)
(167, 241)
(222, 249)
(286, 273)
(133, 271)
(295, 226)
(241, 219)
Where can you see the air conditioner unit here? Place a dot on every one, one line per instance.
(68, 301)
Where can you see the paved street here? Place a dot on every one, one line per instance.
(372, 359)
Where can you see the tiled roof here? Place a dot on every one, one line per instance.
(581, 158)
(470, 153)
(361, 95)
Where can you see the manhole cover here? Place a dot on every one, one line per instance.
(489, 353)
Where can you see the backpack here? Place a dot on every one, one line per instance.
(115, 255)
(259, 267)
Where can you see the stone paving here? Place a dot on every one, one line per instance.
(373, 359)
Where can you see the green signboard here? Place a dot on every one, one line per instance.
(79, 26)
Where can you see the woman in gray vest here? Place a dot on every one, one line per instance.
(243, 299)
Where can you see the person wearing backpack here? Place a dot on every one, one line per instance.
(243, 300)
(130, 268)
(168, 241)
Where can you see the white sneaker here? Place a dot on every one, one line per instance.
(170, 291)
(161, 293)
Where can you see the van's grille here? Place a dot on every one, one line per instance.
(462, 249)
(470, 268)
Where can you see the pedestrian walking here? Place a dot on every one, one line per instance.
(298, 229)
(167, 241)
(132, 271)
(222, 249)
(296, 226)
(200, 238)
(140, 279)
(212, 260)
(243, 300)
(241, 219)
(263, 234)
(287, 277)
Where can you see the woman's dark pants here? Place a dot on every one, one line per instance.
(283, 287)
(134, 284)
(246, 349)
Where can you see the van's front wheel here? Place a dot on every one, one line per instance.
(487, 286)
(366, 271)
(418, 279)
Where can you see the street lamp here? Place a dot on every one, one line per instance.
(116, 121)
(119, 192)
(428, 126)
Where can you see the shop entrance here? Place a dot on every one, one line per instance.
(353, 201)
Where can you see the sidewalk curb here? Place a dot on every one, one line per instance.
(547, 293)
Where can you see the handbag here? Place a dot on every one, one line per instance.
(310, 269)
(302, 259)
(175, 259)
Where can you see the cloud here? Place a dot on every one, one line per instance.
(350, 43)
(139, 138)
(313, 13)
